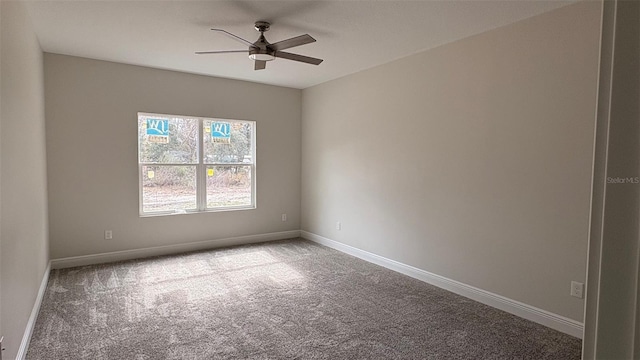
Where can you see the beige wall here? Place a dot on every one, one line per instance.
(23, 211)
(472, 160)
(91, 114)
(1, 172)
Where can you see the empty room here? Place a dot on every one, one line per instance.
(319, 179)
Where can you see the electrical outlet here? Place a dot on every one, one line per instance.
(338, 226)
(108, 235)
(577, 289)
(284, 217)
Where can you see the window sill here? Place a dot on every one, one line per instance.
(191, 212)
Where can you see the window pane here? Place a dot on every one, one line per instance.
(227, 141)
(228, 186)
(168, 188)
(167, 140)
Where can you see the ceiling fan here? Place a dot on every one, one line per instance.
(262, 51)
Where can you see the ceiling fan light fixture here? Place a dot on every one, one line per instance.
(261, 57)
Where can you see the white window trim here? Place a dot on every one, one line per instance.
(201, 173)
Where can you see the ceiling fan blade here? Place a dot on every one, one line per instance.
(296, 57)
(295, 41)
(236, 37)
(221, 52)
(260, 65)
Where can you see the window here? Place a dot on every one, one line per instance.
(192, 164)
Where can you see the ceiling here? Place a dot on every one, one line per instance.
(351, 35)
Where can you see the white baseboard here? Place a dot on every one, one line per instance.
(543, 317)
(169, 249)
(28, 331)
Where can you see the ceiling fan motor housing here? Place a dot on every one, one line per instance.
(260, 50)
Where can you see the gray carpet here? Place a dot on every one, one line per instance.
(289, 299)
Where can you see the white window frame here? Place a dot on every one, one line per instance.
(201, 169)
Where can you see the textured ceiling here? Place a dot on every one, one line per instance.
(351, 35)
